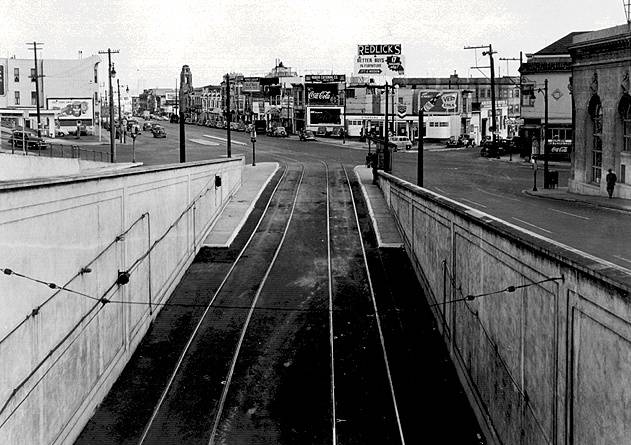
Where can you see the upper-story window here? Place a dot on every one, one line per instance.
(528, 95)
(16, 74)
(17, 98)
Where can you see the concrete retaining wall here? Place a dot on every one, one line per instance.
(549, 363)
(60, 352)
(18, 166)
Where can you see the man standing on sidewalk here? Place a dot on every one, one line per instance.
(611, 182)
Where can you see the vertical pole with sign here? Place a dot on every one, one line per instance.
(253, 139)
(419, 163)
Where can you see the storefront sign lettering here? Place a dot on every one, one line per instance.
(387, 49)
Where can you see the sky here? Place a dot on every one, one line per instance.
(214, 37)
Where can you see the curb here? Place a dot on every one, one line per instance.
(561, 198)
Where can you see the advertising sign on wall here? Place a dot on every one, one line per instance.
(73, 109)
(439, 102)
(325, 78)
(322, 94)
(324, 116)
(251, 85)
(384, 60)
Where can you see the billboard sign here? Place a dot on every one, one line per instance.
(251, 85)
(439, 102)
(73, 109)
(322, 94)
(325, 78)
(324, 116)
(379, 60)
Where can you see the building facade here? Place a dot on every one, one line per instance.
(601, 66)
(68, 93)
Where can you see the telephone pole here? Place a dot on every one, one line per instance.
(228, 116)
(111, 73)
(120, 117)
(36, 80)
(490, 53)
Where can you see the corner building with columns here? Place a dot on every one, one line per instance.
(601, 65)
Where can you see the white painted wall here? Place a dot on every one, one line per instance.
(17, 166)
(50, 229)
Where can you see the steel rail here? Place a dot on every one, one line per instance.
(377, 317)
(235, 356)
(203, 316)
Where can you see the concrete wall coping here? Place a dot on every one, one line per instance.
(90, 176)
(573, 258)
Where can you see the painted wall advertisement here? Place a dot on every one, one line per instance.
(379, 60)
(251, 85)
(439, 102)
(79, 109)
(324, 115)
(322, 94)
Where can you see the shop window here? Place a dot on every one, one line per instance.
(596, 113)
(444, 124)
(17, 98)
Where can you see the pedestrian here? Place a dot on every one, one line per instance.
(343, 136)
(374, 161)
(611, 179)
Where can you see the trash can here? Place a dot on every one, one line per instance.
(552, 179)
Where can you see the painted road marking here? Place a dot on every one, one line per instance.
(498, 196)
(571, 214)
(532, 225)
(623, 259)
(225, 140)
(203, 142)
(473, 202)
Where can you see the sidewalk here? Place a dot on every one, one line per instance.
(254, 180)
(562, 194)
(382, 220)
(84, 140)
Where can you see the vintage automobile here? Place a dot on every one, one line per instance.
(19, 138)
(159, 132)
(400, 142)
(307, 135)
(279, 132)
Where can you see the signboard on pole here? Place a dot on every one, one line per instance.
(379, 60)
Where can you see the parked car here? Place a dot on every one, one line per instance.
(147, 126)
(491, 149)
(241, 126)
(307, 135)
(234, 126)
(159, 132)
(19, 138)
(464, 140)
(279, 132)
(400, 142)
(219, 124)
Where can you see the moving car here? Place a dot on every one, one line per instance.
(159, 132)
(279, 132)
(464, 140)
(400, 142)
(19, 138)
(307, 135)
(147, 126)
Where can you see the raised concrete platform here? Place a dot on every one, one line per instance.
(234, 215)
(382, 219)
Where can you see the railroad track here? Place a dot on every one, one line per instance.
(290, 348)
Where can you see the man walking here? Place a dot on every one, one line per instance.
(611, 182)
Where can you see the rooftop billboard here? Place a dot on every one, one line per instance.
(379, 60)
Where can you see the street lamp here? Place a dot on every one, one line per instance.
(546, 179)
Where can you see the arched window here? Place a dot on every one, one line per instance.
(596, 112)
(624, 107)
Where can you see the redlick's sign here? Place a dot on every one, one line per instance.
(379, 50)
(322, 94)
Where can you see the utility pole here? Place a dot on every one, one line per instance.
(181, 120)
(386, 149)
(490, 53)
(111, 73)
(120, 117)
(36, 80)
(507, 59)
(546, 179)
(228, 148)
(419, 162)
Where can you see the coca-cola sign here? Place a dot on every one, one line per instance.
(322, 94)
